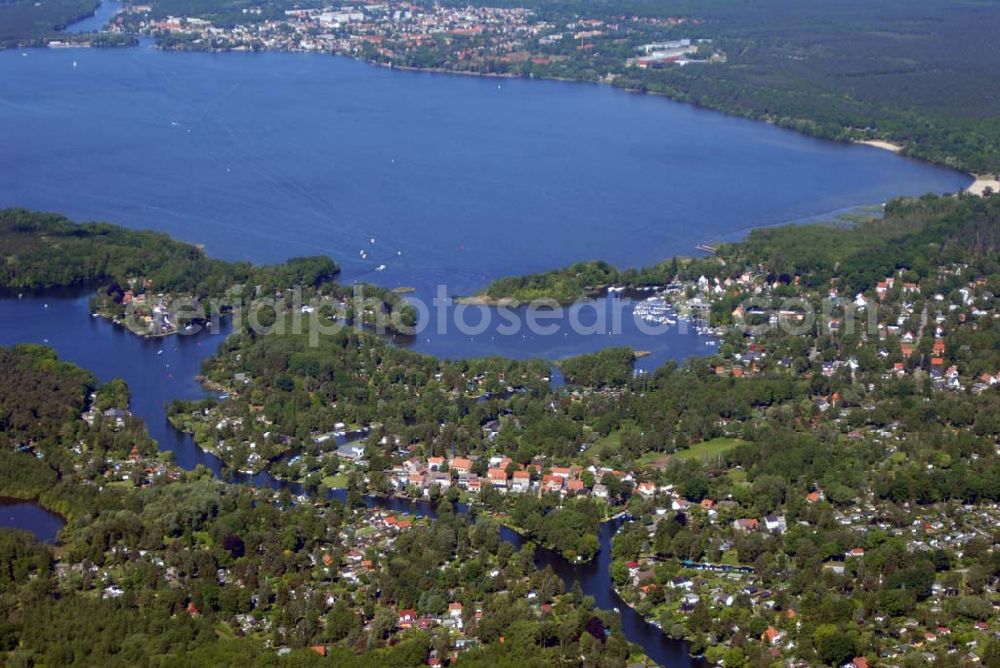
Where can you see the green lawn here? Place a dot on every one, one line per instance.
(731, 557)
(709, 449)
(654, 460)
(612, 440)
(338, 481)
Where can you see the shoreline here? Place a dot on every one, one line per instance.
(882, 144)
(982, 182)
(486, 300)
(892, 147)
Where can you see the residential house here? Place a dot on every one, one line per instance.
(521, 481)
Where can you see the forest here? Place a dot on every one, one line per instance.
(29, 23)
(47, 251)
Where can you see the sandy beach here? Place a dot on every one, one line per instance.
(982, 182)
(878, 143)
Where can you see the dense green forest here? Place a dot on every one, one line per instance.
(48, 393)
(611, 367)
(47, 250)
(562, 285)
(29, 23)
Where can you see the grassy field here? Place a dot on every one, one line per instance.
(709, 449)
(704, 451)
(338, 481)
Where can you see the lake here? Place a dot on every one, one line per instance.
(29, 516)
(459, 180)
(444, 180)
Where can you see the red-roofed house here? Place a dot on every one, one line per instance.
(461, 465)
(521, 482)
(407, 618)
(746, 525)
(498, 477)
(552, 483)
(647, 489)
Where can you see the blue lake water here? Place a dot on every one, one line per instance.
(458, 180)
(99, 21)
(27, 515)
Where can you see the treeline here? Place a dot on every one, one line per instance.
(916, 235)
(611, 367)
(29, 23)
(44, 250)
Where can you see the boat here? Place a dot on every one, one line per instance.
(381, 267)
